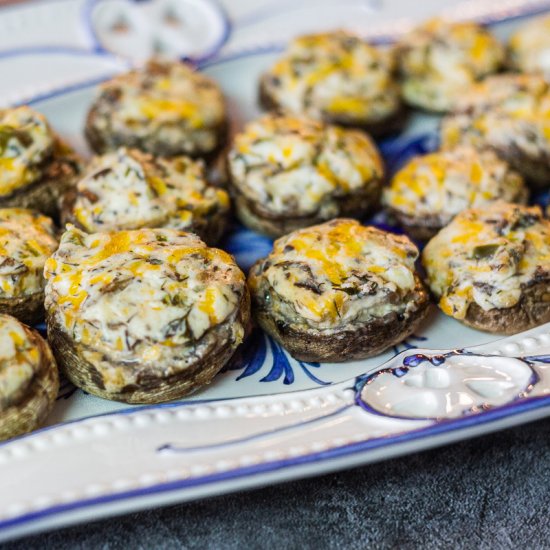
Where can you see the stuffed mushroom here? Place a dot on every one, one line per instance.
(338, 78)
(338, 291)
(143, 316)
(27, 239)
(287, 173)
(529, 47)
(439, 60)
(166, 108)
(28, 378)
(430, 190)
(509, 114)
(490, 268)
(128, 189)
(36, 167)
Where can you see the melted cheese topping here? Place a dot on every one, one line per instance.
(334, 74)
(439, 59)
(129, 190)
(20, 360)
(503, 111)
(486, 256)
(529, 46)
(299, 167)
(446, 182)
(165, 101)
(130, 295)
(336, 274)
(27, 239)
(25, 141)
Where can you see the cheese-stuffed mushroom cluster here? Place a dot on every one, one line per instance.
(140, 308)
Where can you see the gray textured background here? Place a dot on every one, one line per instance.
(490, 492)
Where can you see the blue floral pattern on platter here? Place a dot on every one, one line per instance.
(251, 359)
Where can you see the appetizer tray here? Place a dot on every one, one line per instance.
(267, 417)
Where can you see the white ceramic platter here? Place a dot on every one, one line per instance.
(267, 418)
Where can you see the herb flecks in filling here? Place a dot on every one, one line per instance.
(26, 141)
(128, 189)
(299, 167)
(337, 274)
(165, 103)
(20, 360)
(446, 182)
(509, 112)
(27, 239)
(488, 256)
(336, 76)
(438, 60)
(137, 295)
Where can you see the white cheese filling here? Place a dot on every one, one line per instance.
(293, 166)
(487, 256)
(19, 361)
(129, 190)
(337, 274)
(27, 239)
(133, 293)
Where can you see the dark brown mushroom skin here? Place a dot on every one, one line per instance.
(532, 310)
(357, 205)
(344, 344)
(30, 412)
(28, 308)
(212, 353)
(420, 229)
